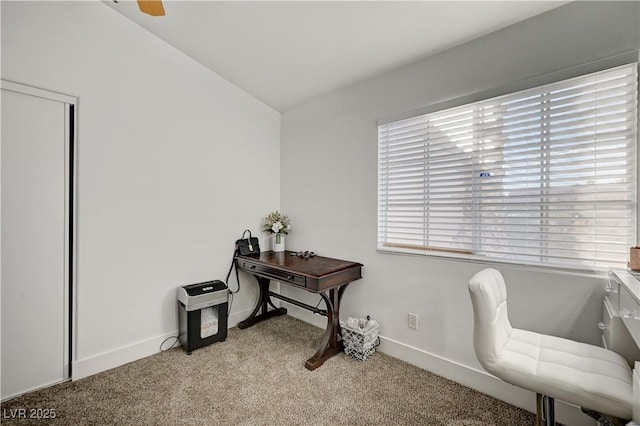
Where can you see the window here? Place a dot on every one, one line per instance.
(543, 176)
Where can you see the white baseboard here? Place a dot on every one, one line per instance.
(481, 381)
(107, 360)
(236, 317)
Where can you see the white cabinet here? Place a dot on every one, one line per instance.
(615, 335)
(624, 294)
(621, 324)
(636, 393)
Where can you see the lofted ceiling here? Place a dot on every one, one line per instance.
(286, 53)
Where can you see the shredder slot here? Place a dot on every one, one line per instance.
(204, 288)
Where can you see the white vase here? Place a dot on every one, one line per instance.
(277, 242)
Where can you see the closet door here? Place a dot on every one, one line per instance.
(35, 242)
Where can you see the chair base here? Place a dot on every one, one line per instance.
(604, 420)
(545, 410)
(545, 413)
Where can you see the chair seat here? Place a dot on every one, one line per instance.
(578, 373)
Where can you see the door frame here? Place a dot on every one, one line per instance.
(70, 307)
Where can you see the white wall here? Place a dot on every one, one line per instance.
(162, 143)
(329, 190)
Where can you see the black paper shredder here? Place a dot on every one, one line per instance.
(203, 314)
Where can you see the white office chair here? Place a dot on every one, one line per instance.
(594, 378)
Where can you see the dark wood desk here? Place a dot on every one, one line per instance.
(325, 276)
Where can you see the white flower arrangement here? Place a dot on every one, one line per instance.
(277, 223)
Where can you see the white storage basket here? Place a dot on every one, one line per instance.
(360, 345)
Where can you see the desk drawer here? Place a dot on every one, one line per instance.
(276, 274)
(636, 393)
(615, 334)
(611, 322)
(613, 289)
(630, 313)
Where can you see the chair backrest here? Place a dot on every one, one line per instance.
(491, 326)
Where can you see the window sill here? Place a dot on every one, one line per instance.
(481, 260)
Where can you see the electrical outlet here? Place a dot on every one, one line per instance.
(413, 321)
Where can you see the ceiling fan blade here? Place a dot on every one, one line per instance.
(151, 7)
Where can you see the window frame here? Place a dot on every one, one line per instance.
(512, 88)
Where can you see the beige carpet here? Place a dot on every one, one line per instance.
(257, 377)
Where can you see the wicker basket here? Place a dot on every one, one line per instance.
(359, 345)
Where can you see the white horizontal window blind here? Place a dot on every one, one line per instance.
(543, 176)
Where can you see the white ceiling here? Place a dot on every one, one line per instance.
(288, 53)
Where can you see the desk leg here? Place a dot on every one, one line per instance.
(264, 300)
(330, 344)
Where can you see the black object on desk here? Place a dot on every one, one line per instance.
(326, 276)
